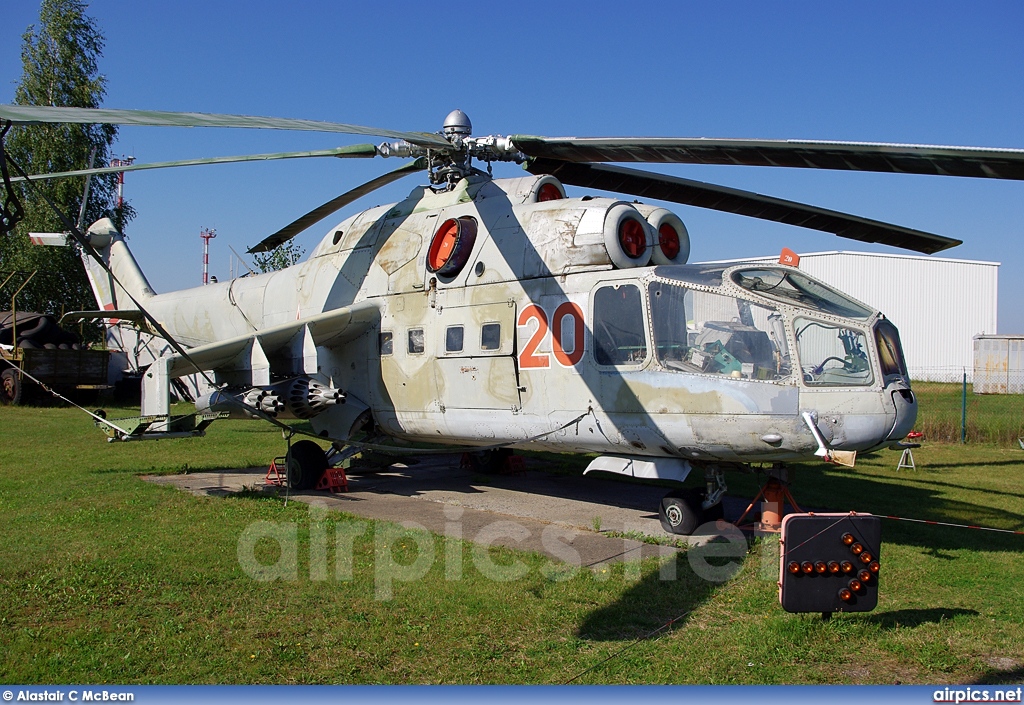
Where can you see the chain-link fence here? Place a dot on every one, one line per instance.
(957, 405)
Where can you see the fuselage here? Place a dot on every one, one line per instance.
(544, 323)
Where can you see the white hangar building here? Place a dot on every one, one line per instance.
(939, 305)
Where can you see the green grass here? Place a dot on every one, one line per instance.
(991, 418)
(107, 578)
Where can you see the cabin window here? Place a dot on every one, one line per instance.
(619, 335)
(416, 341)
(697, 331)
(453, 338)
(387, 342)
(832, 355)
(490, 336)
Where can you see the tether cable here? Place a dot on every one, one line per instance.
(628, 646)
(57, 394)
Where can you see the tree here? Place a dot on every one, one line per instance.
(284, 255)
(59, 68)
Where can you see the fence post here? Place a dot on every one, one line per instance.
(963, 411)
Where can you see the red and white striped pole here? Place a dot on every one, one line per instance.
(124, 161)
(207, 235)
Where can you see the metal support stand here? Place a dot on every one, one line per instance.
(907, 458)
(775, 493)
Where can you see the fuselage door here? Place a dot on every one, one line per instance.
(475, 357)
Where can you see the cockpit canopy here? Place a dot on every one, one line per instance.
(797, 289)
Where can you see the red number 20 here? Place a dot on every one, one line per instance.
(530, 358)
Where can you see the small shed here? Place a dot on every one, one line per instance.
(999, 364)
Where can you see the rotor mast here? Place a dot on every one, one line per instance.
(449, 166)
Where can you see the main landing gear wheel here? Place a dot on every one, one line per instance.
(489, 462)
(10, 387)
(306, 464)
(680, 512)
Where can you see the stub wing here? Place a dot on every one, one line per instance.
(245, 360)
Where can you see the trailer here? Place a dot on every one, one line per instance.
(64, 371)
(34, 347)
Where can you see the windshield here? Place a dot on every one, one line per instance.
(798, 289)
(696, 331)
(889, 349)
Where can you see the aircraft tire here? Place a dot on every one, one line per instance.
(306, 464)
(11, 387)
(680, 512)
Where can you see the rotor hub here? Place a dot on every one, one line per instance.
(447, 166)
(457, 123)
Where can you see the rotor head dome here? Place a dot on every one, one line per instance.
(457, 123)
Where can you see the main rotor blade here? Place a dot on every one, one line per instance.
(722, 198)
(355, 150)
(335, 204)
(36, 114)
(855, 156)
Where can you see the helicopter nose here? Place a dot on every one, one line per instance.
(905, 404)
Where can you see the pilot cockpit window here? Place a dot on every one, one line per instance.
(619, 335)
(697, 331)
(798, 289)
(832, 355)
(387, 343)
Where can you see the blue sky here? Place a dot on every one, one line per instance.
(918, 72)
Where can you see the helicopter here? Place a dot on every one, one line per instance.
(499, 313)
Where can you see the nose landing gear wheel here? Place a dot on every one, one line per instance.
(680, 512)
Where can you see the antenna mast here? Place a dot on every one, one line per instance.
(123, 161)
(207, 235)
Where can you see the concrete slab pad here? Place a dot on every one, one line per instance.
(558, 512)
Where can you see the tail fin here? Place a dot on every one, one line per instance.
(110, 245)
